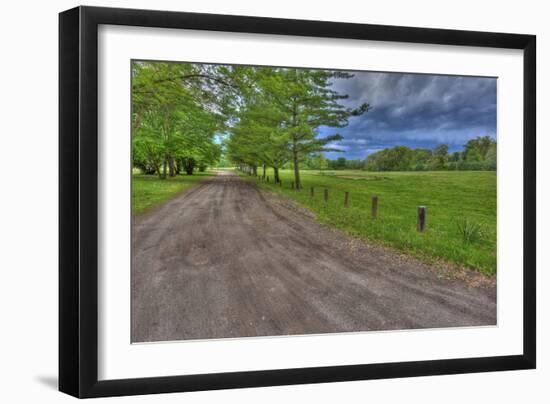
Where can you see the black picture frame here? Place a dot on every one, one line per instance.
(78, 201)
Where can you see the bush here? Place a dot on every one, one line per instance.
(470, 231)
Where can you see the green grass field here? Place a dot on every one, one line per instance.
(149, 191)
(460, 210)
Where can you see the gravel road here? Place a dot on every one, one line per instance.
(227, 260)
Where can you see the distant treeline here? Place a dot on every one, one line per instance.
(478, 154)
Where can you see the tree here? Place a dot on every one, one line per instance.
(398, 158)
(176, 111)
(354, 164)
(341, 163)
(455, 157)
(318, 161)
(401, 158)
(477, 149)
(439, 157)
(303, 101)
(491, 157)
(258, 138)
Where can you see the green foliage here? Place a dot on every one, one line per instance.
(340, 163)
(478, 149)
(439, 157)
(478, 154)
(282, 112)
(177, 108)
(320, 162)
(317, 161)
(354, 164)
(257, 138)
(398, 158)
(454, 157)
(448, 195)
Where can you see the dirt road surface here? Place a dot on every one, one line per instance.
(226, 260)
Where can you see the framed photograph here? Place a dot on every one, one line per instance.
(251, 201)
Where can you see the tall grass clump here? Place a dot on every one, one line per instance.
(470, 231)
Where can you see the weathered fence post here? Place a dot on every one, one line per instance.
(374, 209)
(312, 192)
(421, 224)
(268, 178)
(326, 195)
(346, 199)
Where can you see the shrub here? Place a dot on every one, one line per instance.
(470, 231)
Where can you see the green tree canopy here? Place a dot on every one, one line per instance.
(478, 154)
(177, 108)
(287, 107)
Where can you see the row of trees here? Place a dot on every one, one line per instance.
(270, 117)
(478, 154)
(279, 117)
(320, 162)
(177, 109)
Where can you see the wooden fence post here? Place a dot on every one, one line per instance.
(326, 195)
(346, 199)
(312, 192)
(292, 185)
(374, 210)
(268, 178)
(421, 224)
(280, 183)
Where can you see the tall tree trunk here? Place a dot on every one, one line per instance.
(163, 176)
(263, 175)
(295, 146)
(189, 166)
(172, 169)
(158, 171)
(296, 163)
(276, 169)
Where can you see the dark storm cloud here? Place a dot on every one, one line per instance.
(415, 110)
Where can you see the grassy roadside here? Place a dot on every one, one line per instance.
(460, 220)
(149, 191)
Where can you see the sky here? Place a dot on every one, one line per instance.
(415, 110)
